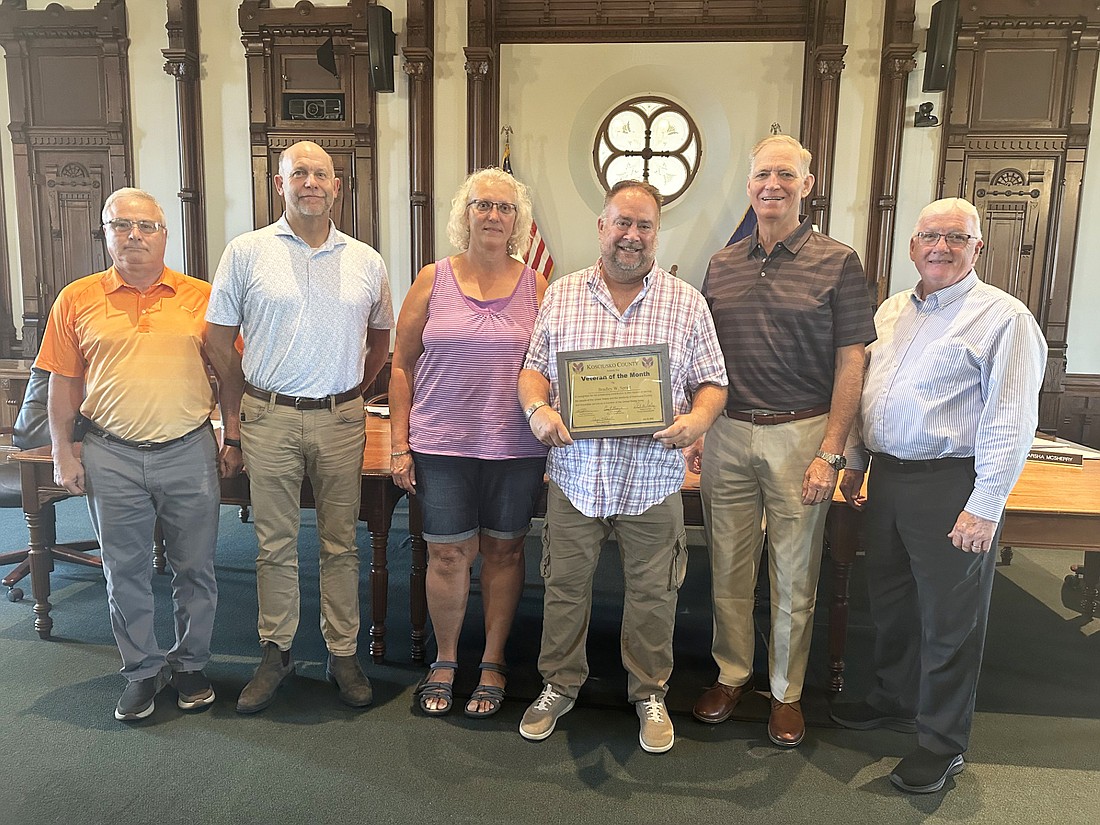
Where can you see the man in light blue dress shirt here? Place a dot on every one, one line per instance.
(948, 413)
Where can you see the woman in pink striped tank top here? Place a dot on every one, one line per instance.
(461, 443)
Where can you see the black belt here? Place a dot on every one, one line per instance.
(92, 427)
(299, 403)
(764, 417)
(928, 465)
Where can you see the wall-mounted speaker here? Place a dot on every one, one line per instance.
(943, 34)
(381, 47)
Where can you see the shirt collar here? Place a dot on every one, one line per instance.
(792, 243)
(949, 294)
(596, 282)
(112, 281)
(335, 236)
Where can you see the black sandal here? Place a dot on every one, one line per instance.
(487, 693)
(436, 690)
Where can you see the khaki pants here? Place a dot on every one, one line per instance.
(653, 547)
(280, 445)
(751, 472)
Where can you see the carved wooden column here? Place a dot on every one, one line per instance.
(897, 62)
(182, 62)
(482, 87)
(820, 100)
(420, 68)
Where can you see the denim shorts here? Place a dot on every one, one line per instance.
(461, 497)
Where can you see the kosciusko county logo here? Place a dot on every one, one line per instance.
(647, 361)
(577, 366)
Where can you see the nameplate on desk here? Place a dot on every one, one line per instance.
(1050, 457)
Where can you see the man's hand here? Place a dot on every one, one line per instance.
(972, 534)
(548, 427)
(851, 485)
(230, 462)
(693, 455)
(68, 471)
(403, 472)
(685, 430)
(819, 482)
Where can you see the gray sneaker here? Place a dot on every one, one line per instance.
(656, 734)
(540, 718)
(137, 700)
(194, 689)
(275, 666)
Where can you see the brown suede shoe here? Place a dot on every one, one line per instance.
(786, 727)
(717, 703)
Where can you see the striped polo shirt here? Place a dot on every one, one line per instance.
(781, 317)
(464, 383)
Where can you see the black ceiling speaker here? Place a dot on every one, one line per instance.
(381, 47)
(943, 34)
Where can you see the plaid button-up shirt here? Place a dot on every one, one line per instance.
(624, 476)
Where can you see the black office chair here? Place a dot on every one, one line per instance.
(32, 429)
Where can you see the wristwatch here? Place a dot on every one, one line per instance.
(837, 462)
(527, 413)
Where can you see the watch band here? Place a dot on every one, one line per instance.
(531, 408)
(837, 462)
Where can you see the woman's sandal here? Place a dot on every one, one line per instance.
(487, 693)
(440, 691)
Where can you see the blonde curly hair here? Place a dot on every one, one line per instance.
(458, 224)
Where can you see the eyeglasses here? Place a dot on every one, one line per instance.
(955, 239)
(123, 226)
(504, 209)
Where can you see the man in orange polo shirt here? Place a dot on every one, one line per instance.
(124, 349)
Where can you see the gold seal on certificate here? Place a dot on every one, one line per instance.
(617, 391)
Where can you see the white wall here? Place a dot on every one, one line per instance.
(555, 97)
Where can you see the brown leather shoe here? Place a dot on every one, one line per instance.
(717, 703)
(786, 727)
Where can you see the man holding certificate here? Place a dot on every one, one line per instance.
(623, 372)
(793, 314)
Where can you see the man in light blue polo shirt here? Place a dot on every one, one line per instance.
(313, 306)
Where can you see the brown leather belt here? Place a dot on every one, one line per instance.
(299, 403)
(759, 417)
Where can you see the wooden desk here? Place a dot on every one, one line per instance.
(1051, 507)
(379, 497)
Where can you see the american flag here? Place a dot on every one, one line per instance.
(744, 229)
(538, 253)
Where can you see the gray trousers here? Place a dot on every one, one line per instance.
(929, 601)
(128, 490)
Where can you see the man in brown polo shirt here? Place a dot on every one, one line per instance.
(793, 315)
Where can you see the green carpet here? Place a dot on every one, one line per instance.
(308, 759)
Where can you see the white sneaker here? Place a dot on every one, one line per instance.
(656, 734)
(540, 718)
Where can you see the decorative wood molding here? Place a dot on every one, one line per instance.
(69, 98)
(898, 50)
(419, 67)
(824, 62)
(482, 85)
(274, 38)
(182, 62)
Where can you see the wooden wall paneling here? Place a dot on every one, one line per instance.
(898, 50)
(419, 66)
(68, 89)
(182, 62)
(1081, 410)
(280, 55)
(8, 339)
(821, 99)
(1017, 124)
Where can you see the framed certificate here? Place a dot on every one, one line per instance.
(614, 392)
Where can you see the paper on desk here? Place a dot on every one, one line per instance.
(381, 410)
